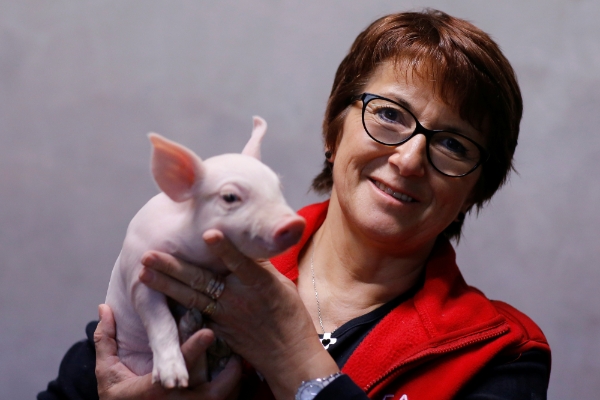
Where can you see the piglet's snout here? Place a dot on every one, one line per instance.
(288, 232)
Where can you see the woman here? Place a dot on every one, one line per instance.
(421, 125)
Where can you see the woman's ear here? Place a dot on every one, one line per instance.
(470, 201)
(464, 210)
(329, 155)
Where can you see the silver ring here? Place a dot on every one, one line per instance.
(209, 309)
(215, 287)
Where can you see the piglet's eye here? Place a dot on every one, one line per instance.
(230, 197)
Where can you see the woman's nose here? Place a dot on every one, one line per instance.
(410, 158)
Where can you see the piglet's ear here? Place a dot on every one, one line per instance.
(253, 146)
(175, 168)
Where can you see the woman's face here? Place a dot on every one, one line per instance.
(424, 202)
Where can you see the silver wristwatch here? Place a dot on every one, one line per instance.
(308, 390)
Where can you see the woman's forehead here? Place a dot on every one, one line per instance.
(405, 76)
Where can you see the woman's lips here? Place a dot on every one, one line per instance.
(397, 195)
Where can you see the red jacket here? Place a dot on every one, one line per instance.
(430, 346)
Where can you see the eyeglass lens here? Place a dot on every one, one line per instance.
(391, 124)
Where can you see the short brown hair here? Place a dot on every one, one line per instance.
(468, 70)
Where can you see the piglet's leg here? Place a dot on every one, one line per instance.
(168, 363)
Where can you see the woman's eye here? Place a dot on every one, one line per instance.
(454, 146)
(389, 115)
(393, 116)
(230, 197)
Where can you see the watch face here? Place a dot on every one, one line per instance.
(309, 391)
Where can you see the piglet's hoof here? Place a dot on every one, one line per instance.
(170, 372)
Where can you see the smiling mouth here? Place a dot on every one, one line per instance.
(400, 196)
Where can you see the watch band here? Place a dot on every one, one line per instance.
(308, 390)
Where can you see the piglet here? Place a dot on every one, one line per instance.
(234, 193)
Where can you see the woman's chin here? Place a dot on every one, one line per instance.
(384, 225)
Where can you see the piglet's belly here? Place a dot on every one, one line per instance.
(139, 363)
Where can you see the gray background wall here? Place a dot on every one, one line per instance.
(82, 82)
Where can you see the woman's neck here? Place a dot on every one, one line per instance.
(351, 274)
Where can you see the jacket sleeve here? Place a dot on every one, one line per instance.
(523, 378)
(342, 388)
(76, 375)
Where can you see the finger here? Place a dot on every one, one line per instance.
(246, 269)
(226, 381)
(109, 370)
(178, 291)
(196, 345)
(193, 276)
(194, 353)
(105, 334)
(220, 388)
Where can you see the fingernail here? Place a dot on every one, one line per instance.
(149, 260)
(211, 240)
(207, 341)
(147, 275)
(211, 237)
(100, 312)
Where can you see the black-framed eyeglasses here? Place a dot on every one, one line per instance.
(390, 124)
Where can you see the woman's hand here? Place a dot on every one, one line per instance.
(116, 381)
(259, 313)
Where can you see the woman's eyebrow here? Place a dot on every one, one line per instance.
(396, 99)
